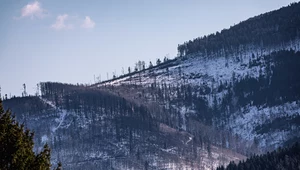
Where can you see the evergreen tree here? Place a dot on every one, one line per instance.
(150, 64)
(16, 146)
(286, 158)
(129, 70)
(158, 61)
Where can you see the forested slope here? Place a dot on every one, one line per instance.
(281, 159)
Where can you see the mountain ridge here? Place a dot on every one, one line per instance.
(212, 104)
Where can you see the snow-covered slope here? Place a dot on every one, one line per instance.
(229, 94)
(198, 69)
(212, 72)
(83, 140)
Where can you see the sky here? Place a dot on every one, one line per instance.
(73, 41)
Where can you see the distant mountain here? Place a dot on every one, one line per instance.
(226, 95)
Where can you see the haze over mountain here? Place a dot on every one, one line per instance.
(224, 97)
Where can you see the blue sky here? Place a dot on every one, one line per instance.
(71, 41)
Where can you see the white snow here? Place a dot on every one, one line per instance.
(190, 139)
(59, 120)
(198, 69)
(44, 139)
(244, 122)
(48, 102)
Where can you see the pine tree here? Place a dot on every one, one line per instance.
(150, 65)
(16, 146)
(158, 61)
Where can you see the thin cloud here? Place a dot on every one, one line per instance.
(33, 10)
(88, 23)
(60, 23)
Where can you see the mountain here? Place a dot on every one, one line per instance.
(94, 129)
(225, 96)
(233, 80)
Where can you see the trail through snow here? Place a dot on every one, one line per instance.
(48, 102)
(190, 138)
(60, 120)
(62, 114)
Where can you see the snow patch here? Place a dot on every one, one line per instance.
(44, 139)
(245, 121)
(59, 120)
(48, 102)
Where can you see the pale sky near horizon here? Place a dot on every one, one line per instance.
(70, 41)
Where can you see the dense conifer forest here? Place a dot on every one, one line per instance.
(265, 30)
(281, 159)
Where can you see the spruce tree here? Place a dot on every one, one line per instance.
(16, 146)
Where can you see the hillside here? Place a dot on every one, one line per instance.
(283, 158)
(243, 85)
(226, 96)
(97, 130)
(265, 31)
